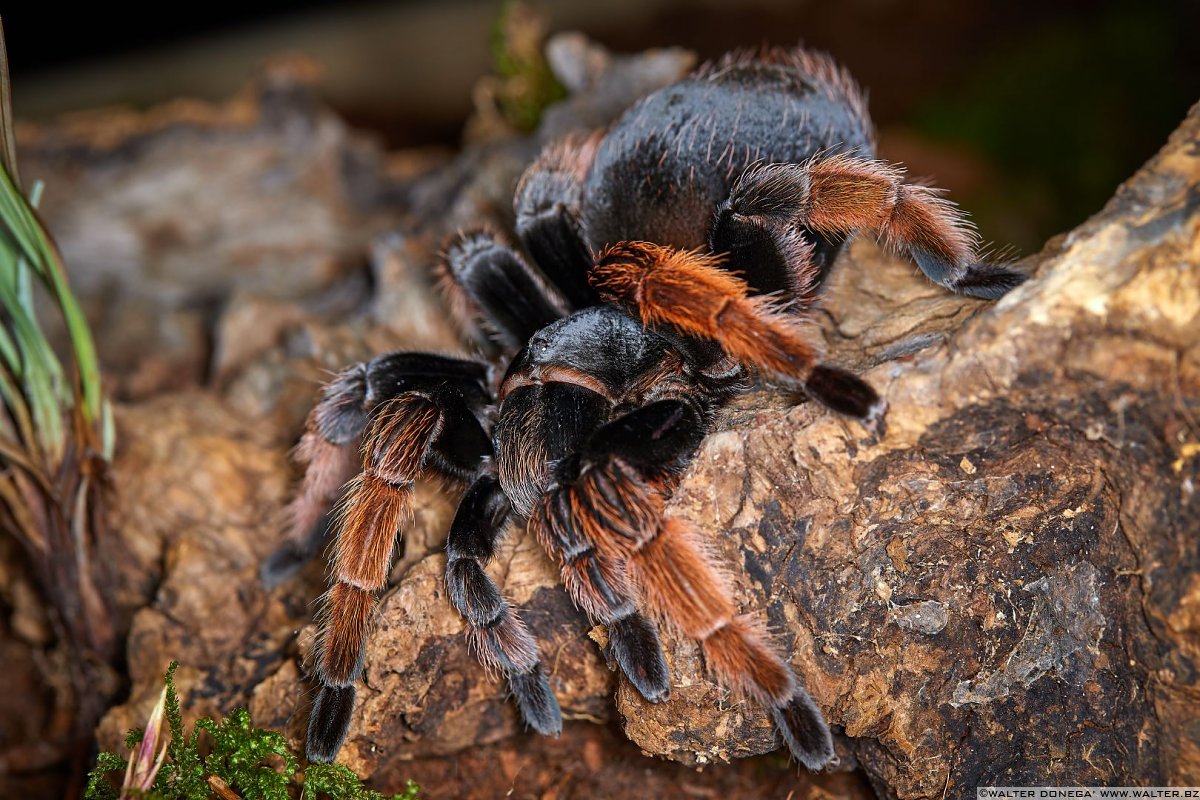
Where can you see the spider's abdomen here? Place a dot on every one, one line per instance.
(660, 172)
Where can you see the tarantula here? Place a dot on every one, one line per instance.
(671, 257)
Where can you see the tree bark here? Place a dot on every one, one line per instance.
(1002, 590)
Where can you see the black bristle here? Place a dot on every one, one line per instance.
(989, 281)
(846, 393)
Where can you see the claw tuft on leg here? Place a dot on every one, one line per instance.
(804, 731)
(634, 645)
(535, 698)
(328, 723)
(846, 393)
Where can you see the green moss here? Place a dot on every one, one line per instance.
(98, 785)
(337, 781)
(243, 756)
(527, 84)
(184, 773)
(253, 762)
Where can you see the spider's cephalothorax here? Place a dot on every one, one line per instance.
(671, 256)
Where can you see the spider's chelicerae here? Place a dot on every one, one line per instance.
(661, 262)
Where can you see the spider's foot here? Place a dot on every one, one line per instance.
(284, 564)
(535, 698)
(634, 645)
(989, 281)
(848, 394)
(804, 731)
(328, 723)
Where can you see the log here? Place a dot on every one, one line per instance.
(1001, 590)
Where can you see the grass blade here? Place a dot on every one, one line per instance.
(8, 144)
(40, 372)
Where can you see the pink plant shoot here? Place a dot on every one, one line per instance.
(144, 764)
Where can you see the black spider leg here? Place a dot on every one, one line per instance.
(774, 256)
(598, 586)
(512, 300)
(412, 432)
(826, 199)
(498, 636)
(335, 427)
(659, 440)
(792, 261)
(550, 421)
(549, 224)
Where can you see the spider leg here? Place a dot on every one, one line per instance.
(329, 447)
(496, 632)
(547, 203)
(691, 291)
(408, 433)
(610, 506)
(777, 256)
(327, 451)
(596, 582)
(842, 194)
(600, 588)
(499, 289)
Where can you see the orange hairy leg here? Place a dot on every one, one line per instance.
(835, 196)
(429, 421)
(608, 507)
(597, 584)
(394, 452)
(329, 448)
(328, 452)
(691, 292)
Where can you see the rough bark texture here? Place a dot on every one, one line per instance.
(1003, 589)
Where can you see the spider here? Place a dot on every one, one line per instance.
(669, 259)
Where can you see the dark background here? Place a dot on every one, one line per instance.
(1030, 112)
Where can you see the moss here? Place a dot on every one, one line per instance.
(253, 762)
(337, 781)
(527, 84)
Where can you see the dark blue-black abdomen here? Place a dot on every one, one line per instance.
(660, 172)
